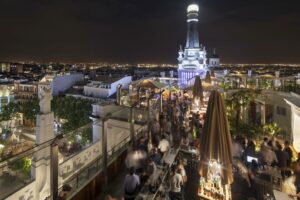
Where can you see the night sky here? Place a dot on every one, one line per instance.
(130, 31)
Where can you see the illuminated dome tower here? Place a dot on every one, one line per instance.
(192, 60)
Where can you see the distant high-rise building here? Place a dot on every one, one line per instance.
(16, 68)
(4, 67)
(192, 60)
(6, 94)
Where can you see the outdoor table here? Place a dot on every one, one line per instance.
(169, 159)
(275, 177)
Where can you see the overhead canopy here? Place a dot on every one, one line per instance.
(238, 75)
(148, 83)
(267, 76)
(216, 139)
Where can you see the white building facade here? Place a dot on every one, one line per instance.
(106, 88)
(61, 83)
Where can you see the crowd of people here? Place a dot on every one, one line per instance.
(177, 127)
(272, 154)
(174, 127)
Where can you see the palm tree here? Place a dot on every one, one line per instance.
(240, 99)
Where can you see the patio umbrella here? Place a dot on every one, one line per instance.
(216, 139)
(197, 89)
(212, 73)
(207, 77)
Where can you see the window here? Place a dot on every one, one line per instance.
(280, 110)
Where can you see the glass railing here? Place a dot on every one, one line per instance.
(16, 158)
(85, 175)
(80, 179)
(16, 170)
(14, 175)
(74, 142)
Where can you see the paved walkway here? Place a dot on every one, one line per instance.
(240, 190)
(115, 189)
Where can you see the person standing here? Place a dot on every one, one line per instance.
(289, 151)
(131, 184)
(182, 171)
(282, 157)
(176, 185)
(297, 180)
(268, 156)
(164, 144)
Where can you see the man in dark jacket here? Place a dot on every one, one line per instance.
(283, 159)
(289, 151)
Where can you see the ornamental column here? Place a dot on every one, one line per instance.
(41, 162)
(104, 121)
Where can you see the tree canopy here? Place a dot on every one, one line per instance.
(75, 111)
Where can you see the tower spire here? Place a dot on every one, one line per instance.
(192, 40)
(192, 60)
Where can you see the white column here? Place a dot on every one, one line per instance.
(96, 131)
(41, 165)
(262, 114)
(104, 150)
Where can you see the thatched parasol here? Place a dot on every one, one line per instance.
(207, 77)
(212, 73)
(197, 89)
(216, 139)
(148, 83)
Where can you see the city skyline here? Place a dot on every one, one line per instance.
(145, 32)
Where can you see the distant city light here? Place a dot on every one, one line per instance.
(193, 8)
